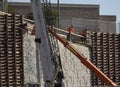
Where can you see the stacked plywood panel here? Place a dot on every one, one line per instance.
(11, 51)
(106, 56)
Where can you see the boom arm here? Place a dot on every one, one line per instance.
(87, 63)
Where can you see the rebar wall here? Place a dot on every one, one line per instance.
(106, 56)
(11, 51)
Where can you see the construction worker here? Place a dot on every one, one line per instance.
(71, 30)
(84, 33)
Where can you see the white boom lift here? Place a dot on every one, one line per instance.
(42, 44)
(50, 74)
(50, 62)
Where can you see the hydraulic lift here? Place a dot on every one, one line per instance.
(44, 54)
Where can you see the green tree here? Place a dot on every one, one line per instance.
(11, 10)
(50, 16)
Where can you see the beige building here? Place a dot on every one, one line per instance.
(79, 15)
(66, 10)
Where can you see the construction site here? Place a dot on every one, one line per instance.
(60, 49)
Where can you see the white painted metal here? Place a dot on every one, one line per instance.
(42, 48)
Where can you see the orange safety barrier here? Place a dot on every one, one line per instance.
(84, 60)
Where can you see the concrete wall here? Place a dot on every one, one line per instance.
(107, 27)
(107, 24)
(110, 18)
(84, 11)
(76, 74)
(20, 8)
(66, 10)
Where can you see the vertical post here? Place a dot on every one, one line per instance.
(14, 51)
(0, 67)
(22, 52)
(7, 60)
(108, 53)
(118, 28)
(6, 6)
(96, 39)
(114, 56)
(102, 54)
(58, 13)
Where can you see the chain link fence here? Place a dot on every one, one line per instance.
(92, 25)
(118, 28)
(3, 5)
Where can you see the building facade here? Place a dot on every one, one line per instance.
(79, 15)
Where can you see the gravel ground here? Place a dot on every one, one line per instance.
(76, 74)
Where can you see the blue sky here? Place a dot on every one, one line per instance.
(107, 7)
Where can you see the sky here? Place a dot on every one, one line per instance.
(107, 7)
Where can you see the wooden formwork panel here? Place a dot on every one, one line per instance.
(11, 51)
(106, 56)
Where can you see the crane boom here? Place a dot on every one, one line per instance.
(84, 60)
